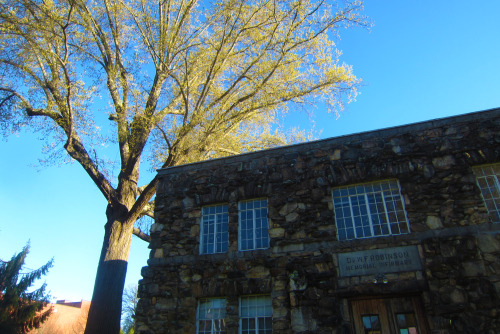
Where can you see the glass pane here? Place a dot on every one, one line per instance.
(406, 323)
(211, 314)
(401, 318)
(367, 324)
(253, 225)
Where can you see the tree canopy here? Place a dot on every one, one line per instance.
(20, 309)
(168, 82)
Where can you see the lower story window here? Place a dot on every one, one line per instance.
(210, 316)
(406, 323)
(256, 314)
(371, 324)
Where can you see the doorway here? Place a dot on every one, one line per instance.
(402, 315)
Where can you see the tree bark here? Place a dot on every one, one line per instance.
(105, 308)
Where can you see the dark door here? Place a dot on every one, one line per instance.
(402, 315)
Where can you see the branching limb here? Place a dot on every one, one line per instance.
(141, 235)
(142, 201)
(148, 209)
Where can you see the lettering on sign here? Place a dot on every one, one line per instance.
(376, 261)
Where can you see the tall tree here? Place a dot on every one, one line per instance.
(21, 310)
(177, 81)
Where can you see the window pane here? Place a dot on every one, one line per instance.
(371, 322)
(406, 323)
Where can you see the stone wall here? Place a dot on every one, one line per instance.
(458, 244)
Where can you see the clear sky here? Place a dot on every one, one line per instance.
(421, 60)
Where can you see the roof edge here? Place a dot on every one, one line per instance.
(383, 132)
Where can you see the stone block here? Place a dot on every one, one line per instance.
(473, 269)
(488, 243)
(280, 312)
(302, 320)
(158, 254)
(287, 208)
(277, 232)
(457, 296)
(288, 248)
(336, 155)
(195, 231)
(291, 217)
(445, 162)
(257, 272)
(433, 222)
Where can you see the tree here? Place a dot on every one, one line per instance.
(181, 81)
(21, 310)
(130, 300)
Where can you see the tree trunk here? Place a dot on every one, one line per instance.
(105, 308)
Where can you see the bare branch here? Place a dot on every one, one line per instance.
(141, 235)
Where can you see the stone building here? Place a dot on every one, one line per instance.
(388, 231)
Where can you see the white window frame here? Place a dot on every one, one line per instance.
(260, 308)
(216, 217)
(488, 181)
(259, 225)
(369, 210)
(216, 306)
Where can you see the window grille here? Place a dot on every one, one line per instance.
(214, 229)
(256, 314)
(210, 316)
(487, 178)
(369, 210)
(253, 225)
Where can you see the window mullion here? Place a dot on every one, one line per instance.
(216, 230)
(202, 238)
(239, 227)
(497, 186)
(352, 218)
(254, 229)
(369, 214)
(386, 216)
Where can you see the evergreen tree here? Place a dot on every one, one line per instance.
(21, 310)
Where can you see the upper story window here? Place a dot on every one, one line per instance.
(253, 225)
(488, 181)
(210, 316)
(256, 314)
(369, 210)
(214, 229)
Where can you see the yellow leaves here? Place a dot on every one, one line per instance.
(207, 78)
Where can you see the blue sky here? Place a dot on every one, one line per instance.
(421, 60)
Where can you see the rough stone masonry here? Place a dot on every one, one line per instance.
(452, 238)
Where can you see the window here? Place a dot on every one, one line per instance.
(406, 323)
(487, 178)
(214, 232)
(256, 313)
(210, 316)
(371, 324)
(253, 226)
(369, 210)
